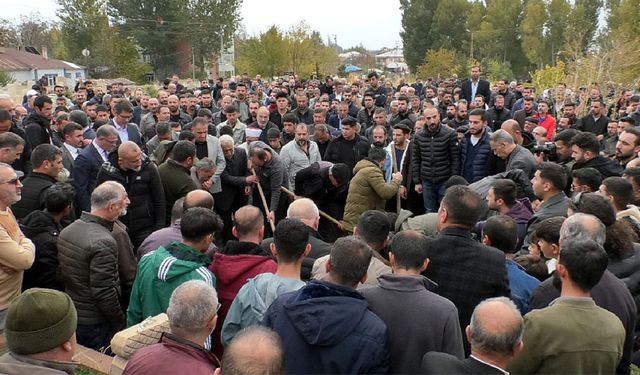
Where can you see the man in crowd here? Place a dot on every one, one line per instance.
(474, 86)
(36, 126)
(175, 174)
(514, 155)
(299, 154)
(254, 350)
(585, 149)
(122, 117)
(595, 122)
(72, 145)
(628, 146)
(157, 278)
(475, 147)
(88, 255)
(403, 301)
(192, 312)
(272, 176)
(349, 338)
(208, 146)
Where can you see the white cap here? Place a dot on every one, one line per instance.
(31, 93)
(253, 132)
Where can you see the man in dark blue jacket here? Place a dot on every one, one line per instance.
(327, 326)
(475, 147)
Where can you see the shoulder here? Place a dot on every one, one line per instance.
(437, 363)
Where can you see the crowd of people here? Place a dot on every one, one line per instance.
(318, 226)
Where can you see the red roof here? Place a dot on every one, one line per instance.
(13, 59)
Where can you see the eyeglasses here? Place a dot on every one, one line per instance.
(14, 181)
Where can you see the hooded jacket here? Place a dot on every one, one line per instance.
(40, 227)
(328, 328)
(159, 273)
(606, 167)
(253, 300)
(32, 194)
(632, 216)
(367, 191)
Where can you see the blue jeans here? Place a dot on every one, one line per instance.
(432, 194)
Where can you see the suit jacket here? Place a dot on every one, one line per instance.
(484, 88)
(214, 153)
(67, 159)
(232, 182)
(133, 131)
(444, 363)
(84, 174)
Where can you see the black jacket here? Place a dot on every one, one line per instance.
(435, 156)
(350, 152)
(589, 124)
(605, 166)
(32, 194)
(233, 182)
(484, 88)
(444, 363)
(498, 117)
(43, 231)
(146, 212)
(37, 129)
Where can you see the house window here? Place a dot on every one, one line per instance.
(68, 75)
(78, 74)
(51, 79)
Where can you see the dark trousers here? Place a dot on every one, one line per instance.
(95, 336)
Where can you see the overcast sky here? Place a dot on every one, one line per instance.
(372, 23)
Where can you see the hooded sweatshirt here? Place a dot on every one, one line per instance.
(40, 227)
(252, 301)
(160, 272)
(632, 216)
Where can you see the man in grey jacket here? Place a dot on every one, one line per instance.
(419, 321)
(208, 146)
(299, 154)
(515, 156)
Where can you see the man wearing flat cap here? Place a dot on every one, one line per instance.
(41, 334)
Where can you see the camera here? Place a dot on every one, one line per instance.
(547, 148)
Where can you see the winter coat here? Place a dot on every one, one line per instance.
(521, 158)
(435, 155)
(350, 152)
(88, 256)
(367, 191)
(176, 183)
(37, 130)
(32, 194)
(606, 167)
(478, 166)
(253, 300)
(159, 273)
(146, 212)
(328, 328)
(294, 158)
(43, 231)
(12, 363)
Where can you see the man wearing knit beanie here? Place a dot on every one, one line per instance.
(40, 330)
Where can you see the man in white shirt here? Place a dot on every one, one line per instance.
(73, 134)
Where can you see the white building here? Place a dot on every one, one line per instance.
(25, 66)
(392, 60)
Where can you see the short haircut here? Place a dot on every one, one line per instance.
(40, 101)
(291, 238)
(163, 128)
(102, 108)
(495, 342)
(197, 223)
(254, 350)
(349, 121)
(183, 150)
(373, 227)
(290, 117)
(585, 261)
(230, 109)
(506, 190)
(70, 128)
(410, 249)
(501, 136)
(191, 306)
(620, 189)
(10, 140)
(502, 230)
(204, 164)
(377, 154)
(58, 197)
(565, 136)
(634, 173)
(349, 259)
(484, 115)
(44, 152)
(106, 193)
(629, 120)
(226, 139)
(636, 133)
(106, 130)
(598, 206)
(122, 106)
(576, 228)
(5, 115)
(588, 176)
(249, 223)
(554, 174)
(549, 229)
(464, 205)
(586, 142)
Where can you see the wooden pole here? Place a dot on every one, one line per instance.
(322, 213)
(395, 169)
(264, 202)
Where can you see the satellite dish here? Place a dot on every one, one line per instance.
(86, 52)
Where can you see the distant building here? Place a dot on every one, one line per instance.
(392, 60)
(26, 66)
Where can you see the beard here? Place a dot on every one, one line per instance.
(301, 143)
(378, 144)
(123, 212)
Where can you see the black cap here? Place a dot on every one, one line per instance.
(372, 74)
(531, 119)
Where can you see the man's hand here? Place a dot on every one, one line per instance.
(600, 137)
(247, 190)
(535, 205)
(206, 185)
(418, 188)
(272, 217)
(396, 177)
(251, 180)
(403, 192)
(539, 156)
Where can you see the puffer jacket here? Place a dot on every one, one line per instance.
(435, 155)
(88, 256)
(32, 194)
(40, 227)
(477, 168)
(367, 191)
(146, 212)
(350, 152)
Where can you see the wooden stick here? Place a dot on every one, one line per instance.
(264, 202)
(394, 169)
(322, 213)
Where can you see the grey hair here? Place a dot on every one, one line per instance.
(574, 229)
(106, 130)
(226, 139)
(254, 350)
(496, 342)
(308, 211)
(500, 136)
(192, 305)
(205, 164)
(106, 193)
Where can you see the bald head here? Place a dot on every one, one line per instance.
(248, 223)
(512, 127)
(127, 148)
(254, 350)
(198, 198)
(304, 210)
(496, 328)
(7, 104)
